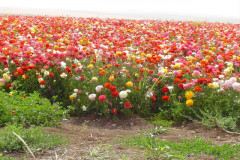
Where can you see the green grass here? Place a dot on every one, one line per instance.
(155, 148)
(35, 137)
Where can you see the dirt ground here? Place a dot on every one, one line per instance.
(93, 138)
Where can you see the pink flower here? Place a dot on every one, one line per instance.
(127, 105)
(102, 98)
(236, 86)
(187, 85)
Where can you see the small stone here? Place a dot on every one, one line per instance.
(114, 125)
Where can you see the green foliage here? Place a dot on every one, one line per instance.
(35, 137)
(156, 148)
(16, 107)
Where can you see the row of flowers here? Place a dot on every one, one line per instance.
(112, 65)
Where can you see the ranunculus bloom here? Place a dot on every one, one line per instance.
(115, 94)
(92, 97)
(107, 85)
(127, 105)
(165, 89)
(84, 108)
(197, 89)
(42, 82)
(123, 94)
(189, 94)
(114, 111)
(71, 97)
(129, 84)
(165, 98)
(113, 88)
(153, 98)
(102, 98)
(189, 102)
(99, 88)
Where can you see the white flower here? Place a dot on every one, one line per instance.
(84, 108)
(63, 75)
(149, 94)
(221, 76)
(46, 73)
(215, 79)
(92, 97)
(6, 69)
(63, 65)
(75, 90)
(128, 91)
(233, 79)
(94, 79)
(40, 79)
(99, 88)
(123, 94)
(74, 95)
(170, 88)
(75, 61)
(42, 86)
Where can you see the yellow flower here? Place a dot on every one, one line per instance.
(24, 76)
(136, 74)
(6, 77)
(189, 102)
(143, 54)
(111, 78)
(90, 66)
(129, 84)
(119, 53)
(71, 97)
(189, 94)
(133, 58)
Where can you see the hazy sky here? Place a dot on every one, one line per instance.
(197, 8)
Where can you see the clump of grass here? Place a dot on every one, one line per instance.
(155, 148)
(35, 137)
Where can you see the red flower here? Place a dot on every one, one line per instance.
(102, 98)
(115, 94)
(82, 78)
(137, 89)
(114, 111)
(179, 76)
(12, 112)
(165, 98)
(51, 75)
(180, 86)
(113, 88)
(177, 80)
(42, 82)
(127, 105)
(8, 86)
(153, 98)
(184, 80)
(20, 71)
(68, 69)
(165, 89)
(197, 89)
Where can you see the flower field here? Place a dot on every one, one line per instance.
(170, 69)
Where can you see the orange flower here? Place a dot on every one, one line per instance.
(197, 89)
(107, 85)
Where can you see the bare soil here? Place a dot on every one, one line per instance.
(91, 137)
